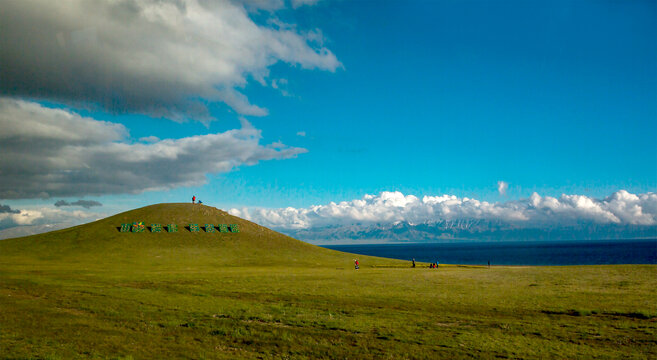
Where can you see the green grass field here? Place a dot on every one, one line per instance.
(93, 292)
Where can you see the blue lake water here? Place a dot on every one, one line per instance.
(517, 253)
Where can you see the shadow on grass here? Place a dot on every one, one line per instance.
(634, 315)
(575, 312)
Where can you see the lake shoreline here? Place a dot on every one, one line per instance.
(535, 253)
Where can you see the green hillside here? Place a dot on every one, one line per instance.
(94, 292)
(101, 242)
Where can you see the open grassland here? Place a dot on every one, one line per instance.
(84, 293)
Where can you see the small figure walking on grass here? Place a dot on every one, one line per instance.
(194, 199)
(413, 262)
(357, 264)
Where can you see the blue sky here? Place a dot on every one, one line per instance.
(449, 97)
(422, 97)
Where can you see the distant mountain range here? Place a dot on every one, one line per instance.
(437, 231)
(469, 229)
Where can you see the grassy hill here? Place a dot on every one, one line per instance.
(101, 242)
(93, 292)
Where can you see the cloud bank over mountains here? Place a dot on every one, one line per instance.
(57, 153)
(620, 207)
(162, 58)
(42, 216)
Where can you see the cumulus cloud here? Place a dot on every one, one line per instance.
(57, 153)
(502, 186)
(620, 207)
(163, 58)
(84, 203)
(45, 215)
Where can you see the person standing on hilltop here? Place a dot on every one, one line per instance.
(357, 264)
(194, 199)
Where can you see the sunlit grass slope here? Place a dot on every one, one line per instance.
(101, 242)
(93, 292)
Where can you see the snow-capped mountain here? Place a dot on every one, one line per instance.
(467, 229)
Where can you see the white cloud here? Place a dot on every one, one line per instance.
(46, 215)
(156, 57)
(635, 209)
(621, 208)
(149, 139)
(569, 207)
(52, 152)
(281, 86)
(301, 133)
(502, 186)
(22, 121)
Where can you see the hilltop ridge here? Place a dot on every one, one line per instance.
(101, 242)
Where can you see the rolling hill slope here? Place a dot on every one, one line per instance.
(101, 243)
(92, 291)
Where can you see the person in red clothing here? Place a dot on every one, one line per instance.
(357, 264)
(193, 199)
